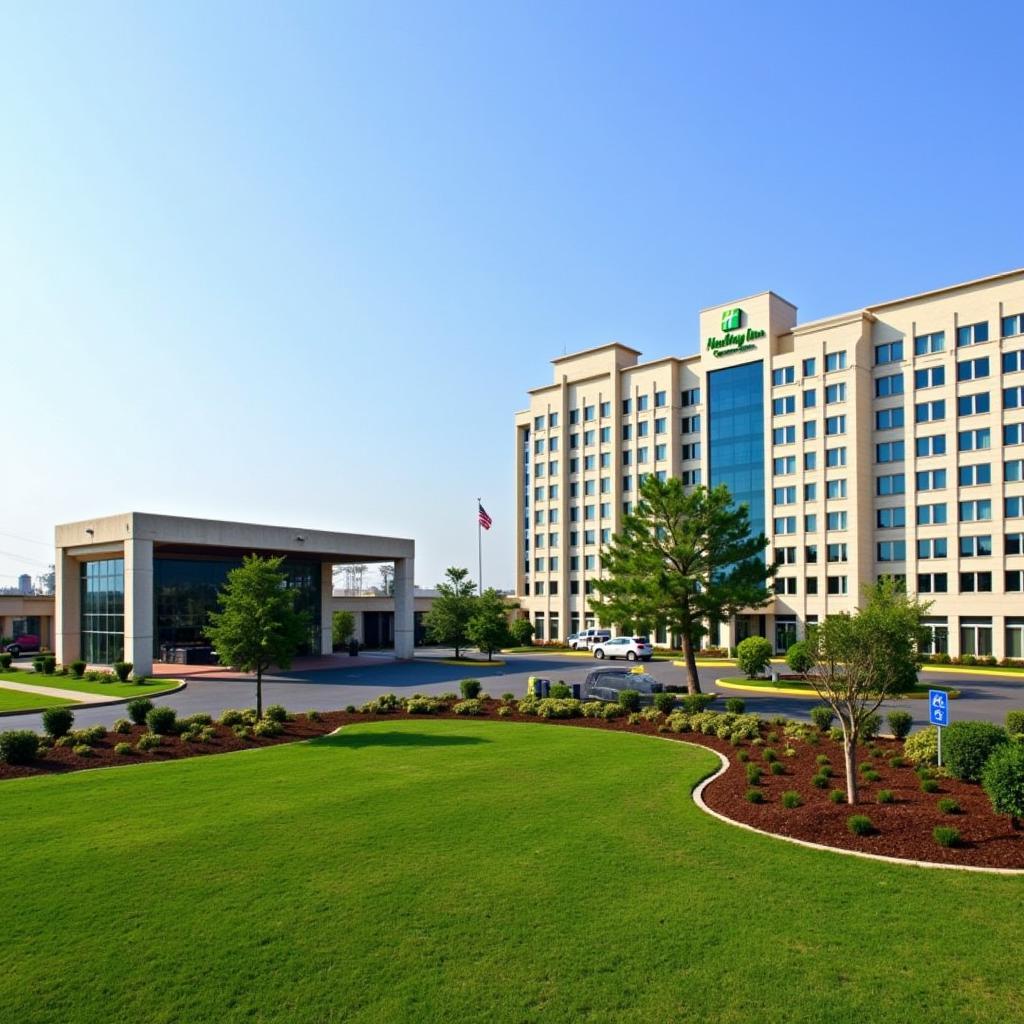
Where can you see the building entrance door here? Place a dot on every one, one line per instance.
(785, 635)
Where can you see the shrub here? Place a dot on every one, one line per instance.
(886, 796)
(556, 707)
(900, 723)
(1003, 781)
(777, 768)
(743, 757)
(58, 721)
(825, 769)
(948, 805)
(468, 707)
(1014, 722)
(207, 733)
(860, 825)
(162, 720)
(823, 759)
(753, 774)
(507, 698)
(694, 703)
(836, 734)
(200, 718)
(869, 726)
(5, 661)
(629, 700)
(350, 709)
(82, 750)
(150, 741)
(798, 658)
(469, 688)
(267, 727)
(19, 746)
(966, 746)
(138, 709)
(560, 691)
(49, 664)
(241, 730)
(791, 798)
(276, 713)
(665, 702)
(77, 669)
(504, 711)
(89, 736)
(418, 705)
(232, 717)
(772, 737)
(123, 669)
(385, 704)
(922, 747)
(753, 655)
(820, 781)
(737, 705)
(896, 761)
(612, 711)
(755, 796)
(122, 725)
(929, 785)
(521, 632)
(871, 775)
(822, 716)
(124, 749)
(945, 835)
(790, 751)
(837, 796)
(37, 665)
(769, 755)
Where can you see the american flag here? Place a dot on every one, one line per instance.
(482, 517)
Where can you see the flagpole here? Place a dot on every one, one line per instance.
(479, 551)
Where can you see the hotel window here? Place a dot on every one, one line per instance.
(1013, 398)
(552, 468)
(574, 417)
(975, 583)
(932, 515)
(553, 419)
(660, 451)
(606, 409)
(538, 446)
(659, 399)
(835, 393)
(1014, 508)
(627, 406)
(660, 425)
(931, 479)
(889, 419)
(1013, 584)
(835, 425)
(972, 369)
(691, 450)
(932, 377)
(538, 516)
(1013, 361)
(553, 492)
(1014, 637)
(643, 429)
(974, 476)
(574, 541)
(935, 547)
(784, 496)
(538, 493)
(892, 551)
(976, 511)
(837, 584)
(538, 469)
(691, 425)
(1013, 325)
(891, 518)
(1013, 470)
(785, 556)
(691, 397)
(808, 367)
(627, 507)
(641, 403)
(538, 625)
(553, 516)
(605, 435)
(606, 510)
(553, 567)
(1013, 544)
(976, 637)
(932, 583)
(835, 361)
(606, 460)
(933, 444)
(974, 440)
(783, 375)
(810, 430)
(553, 445)
(782, 406)
(810, 492)
(810, 399)
(588, 413)
(538, 564)
(835, 457)
(891, 352)
(785, 585)
(606, 534)
(976, 547)
(811, 523)
(589, 562)
(589, 536)
(891, 385)
(929, 412)
(836, 488)
(627, 458)
(894, 483)
(784, 524)
(811, 585)
(538, 587)
(538, 422)
(691, 477)
(890, 451)
(810, 460)
(784, 465)
(589, 512)
(588, 438)
(973, 405)
(574, 489)
(972, 334)
(627, 432)
(835, 521)
(589, 462)
(784, 435)
(574, 441)
(606, 485)
(811, 554)
(925, 344)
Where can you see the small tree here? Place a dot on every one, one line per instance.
(681, 560)
(257, 625)
(343, 625)
(521, 632)
(447, 621)
(799, 659)
(860, 660)
(754, 655)
(488, 625)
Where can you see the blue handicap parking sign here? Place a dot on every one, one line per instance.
(938, 707)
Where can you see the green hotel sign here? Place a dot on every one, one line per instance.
(734, 339)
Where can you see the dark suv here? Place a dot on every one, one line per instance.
(607, 683)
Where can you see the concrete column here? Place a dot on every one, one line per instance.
(138, 604)
(326, 613)
(67, 608)
(404, 605)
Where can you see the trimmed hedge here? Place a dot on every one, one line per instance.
(966, 746)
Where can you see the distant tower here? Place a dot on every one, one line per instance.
(24, 583)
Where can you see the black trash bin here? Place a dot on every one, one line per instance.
(353, 648)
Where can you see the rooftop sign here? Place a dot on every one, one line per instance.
(734, 338)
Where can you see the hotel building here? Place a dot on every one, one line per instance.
(887, 440)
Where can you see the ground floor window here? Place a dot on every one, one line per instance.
(589, 622)
(785, 633)
(553, 624)
(574, 622)
(976, 637)
(538, 626)
(28, 626)
(661, 635)
(102, 622)
(938, 636)
(1015, 638)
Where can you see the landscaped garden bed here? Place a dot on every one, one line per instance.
(784, 777)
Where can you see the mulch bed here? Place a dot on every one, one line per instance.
(902, 829)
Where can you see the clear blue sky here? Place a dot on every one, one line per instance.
(299, 263)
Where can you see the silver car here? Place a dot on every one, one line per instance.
(606, 684)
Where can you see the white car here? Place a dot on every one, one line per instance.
(632, 648)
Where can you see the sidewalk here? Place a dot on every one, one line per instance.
(52, 691)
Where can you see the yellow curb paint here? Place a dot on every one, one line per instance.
(464, 664)
(764, 689)
(967, 670)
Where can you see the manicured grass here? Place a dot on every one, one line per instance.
(423, 871)
(919, 691)
(16, 700)
(113, 690)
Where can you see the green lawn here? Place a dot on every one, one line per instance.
(919, 691)
(17, 700)
(112, 690)
(467, 871)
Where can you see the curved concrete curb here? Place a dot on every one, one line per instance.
(767, 691)
(698, 799)
(85, 705)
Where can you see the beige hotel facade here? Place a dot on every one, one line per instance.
(887, 440)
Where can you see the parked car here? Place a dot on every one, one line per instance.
(607, 683)
(632, 648)
(27, 643)
(588, 637)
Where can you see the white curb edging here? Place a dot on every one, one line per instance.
(698, 799)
